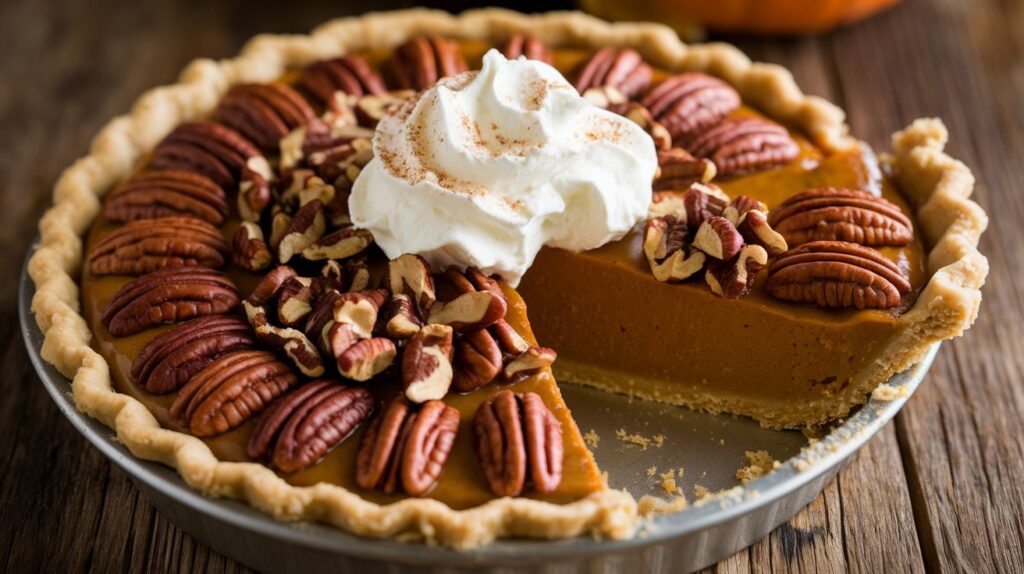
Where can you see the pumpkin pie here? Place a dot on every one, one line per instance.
(206, 281)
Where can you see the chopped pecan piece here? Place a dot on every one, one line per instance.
(264, 113)
(267, 289)
(718, 238)
(746, 144)
(371, 109)
(477, 361)
(754, 227)
(622, 69)
(167, 193)
(147, 245)
(304, 425)
(410, 275)
(280, 222)
(231, 390)
(349, 74)
(366, 359)
(834, 214)
(837, 274)
(702, 202)
(254, 195)
(166, 296)
(295, 301)
(739, 206)
(528, 363)
(291, 342)
(172, 358)
(679, 170)
(668, 252)
(732, 279)
(516, 436)
(305, 228)
(427, 364)
(688, 104)
(406, 447)
(469, 311)
(525, 45)
(400, 318)
(607, 98)
(249, 250)
(422, 61)
(641, 116)
(211, 149)
(340, 244)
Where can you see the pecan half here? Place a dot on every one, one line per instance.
(407, 447)
(167, 193)
(622, 69)
(248, 249)
(732, 279)
(231, 390)
(427, 364)
(208, 148)
(837, 274)
(304, 425)
(340, 244)
(422, 61)
(172, 358)
(688, 104)
(264, 113)
(166, 296)
(349, 74)
(147, 245)
(746, 144)
(516, 436)
(518, 45)
(834, 214)
(679, 170)
(477, 361)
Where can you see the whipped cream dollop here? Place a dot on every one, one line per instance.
(485, 168)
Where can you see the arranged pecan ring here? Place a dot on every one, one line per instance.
(166, 296)
(836, 214)
(304, 425)
(145, 246)
(837, 274)
(407, 447)
(167, 193)
(172, 358)
(516, 436)
(231, 390)
(349, 74)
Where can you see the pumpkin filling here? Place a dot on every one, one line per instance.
(614, 326)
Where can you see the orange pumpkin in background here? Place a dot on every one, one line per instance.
(753, 16)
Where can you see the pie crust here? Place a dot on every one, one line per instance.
(937, 186)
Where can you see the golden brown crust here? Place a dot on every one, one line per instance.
(937, 185)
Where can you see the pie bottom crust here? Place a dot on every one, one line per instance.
(937, 186)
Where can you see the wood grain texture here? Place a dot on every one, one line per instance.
(941, 490)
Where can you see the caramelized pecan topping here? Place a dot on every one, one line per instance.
(525, 45)
(144, 246)
(689, 104)
(304, 425)
(231, 390)
(835, 214)
(837, 274)
(622, 69)
(422, 61)
(172, 358)
(406, 447)
(166, 296)
(742, 145)
(349, 74)
(167, 193)
(516, 436)
(213, 150)
(292, 343)
(264, 113)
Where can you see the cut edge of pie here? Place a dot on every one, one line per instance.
(937, 186)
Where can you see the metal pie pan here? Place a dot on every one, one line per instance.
(709, 449)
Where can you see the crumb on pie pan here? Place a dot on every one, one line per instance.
(699, 535)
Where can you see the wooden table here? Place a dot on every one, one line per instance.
(941, 489)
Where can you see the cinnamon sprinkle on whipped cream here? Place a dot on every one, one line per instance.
(485, 168)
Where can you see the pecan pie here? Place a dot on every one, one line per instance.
(775, 269)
